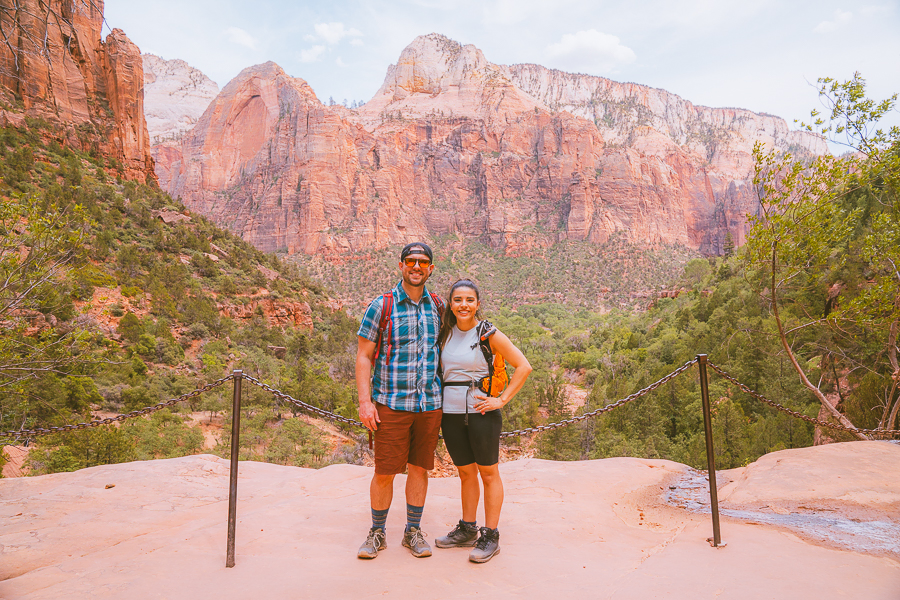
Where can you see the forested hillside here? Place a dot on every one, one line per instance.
(114, 297)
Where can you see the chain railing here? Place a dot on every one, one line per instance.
(14, 436)
(604, 409)
(28, 434)
(303, 405)
(794, 413)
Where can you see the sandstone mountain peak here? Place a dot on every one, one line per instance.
(623, 110)
(437, 76)
(519, 158)
(175, 95)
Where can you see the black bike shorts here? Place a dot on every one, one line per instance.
(477, 442)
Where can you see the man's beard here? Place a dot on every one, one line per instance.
(407, 279)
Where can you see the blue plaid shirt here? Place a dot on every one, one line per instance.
(410, 381)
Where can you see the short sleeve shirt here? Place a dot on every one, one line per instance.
(462, 360)
(408, 379)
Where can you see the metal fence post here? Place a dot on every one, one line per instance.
(235, 446)
(710, 456)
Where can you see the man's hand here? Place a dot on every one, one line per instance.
(368, 415)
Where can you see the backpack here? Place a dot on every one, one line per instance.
(497, 379)
(386, 324)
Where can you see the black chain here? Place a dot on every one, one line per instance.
(27, 434)
(15, 436)
(606, 408)
(796, 414)
(299, 403)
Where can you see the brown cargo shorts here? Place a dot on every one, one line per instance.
(405, 437)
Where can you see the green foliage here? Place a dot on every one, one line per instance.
(826, 247)
(130, 327)
(80, 449)
(163, 435)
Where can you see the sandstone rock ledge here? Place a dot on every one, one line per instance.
(594, 529)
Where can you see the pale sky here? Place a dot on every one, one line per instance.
(763, 55)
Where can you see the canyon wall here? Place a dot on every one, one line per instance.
(518, 157)
(175, 96)
(56, 67)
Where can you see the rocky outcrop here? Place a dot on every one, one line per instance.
(436, 78)
(517, 157)
(276, 312)
(626, 111)
(55, 66)
(175, 96)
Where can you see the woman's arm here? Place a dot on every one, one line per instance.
(504, 346)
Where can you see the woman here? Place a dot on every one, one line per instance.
(471, 423)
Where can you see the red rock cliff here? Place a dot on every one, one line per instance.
(55, 66)
(453, 144)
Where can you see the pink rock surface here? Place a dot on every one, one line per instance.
(55, 61)
(518, 157)
(592, 529)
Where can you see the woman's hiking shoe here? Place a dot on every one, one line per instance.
(373, 544)
(414, 539)
(486, 547)
(462, 536)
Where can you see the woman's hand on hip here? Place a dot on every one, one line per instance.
(487, 403)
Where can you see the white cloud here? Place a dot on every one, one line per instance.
(841, 18)
(589, 51)
(356, 42)
(311, 55)
(332, 33)
(340, 62)
(239, 36)
(877, 10)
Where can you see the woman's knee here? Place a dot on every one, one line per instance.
(490, 473)
(468, 472)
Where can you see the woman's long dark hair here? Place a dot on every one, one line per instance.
(449, 320)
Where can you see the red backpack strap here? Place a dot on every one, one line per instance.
(439, 304)
(385, 325)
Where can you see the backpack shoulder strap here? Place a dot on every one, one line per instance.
(485, 331)
(438, 304)
(385, 324)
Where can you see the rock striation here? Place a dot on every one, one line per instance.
(518, 157)
(55, 65)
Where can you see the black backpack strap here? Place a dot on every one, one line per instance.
(385, 325)
(485, 331)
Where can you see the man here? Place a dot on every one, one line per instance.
(401, 403)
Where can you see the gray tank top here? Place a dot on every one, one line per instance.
(462, 360)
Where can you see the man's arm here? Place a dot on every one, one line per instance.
(365, 353)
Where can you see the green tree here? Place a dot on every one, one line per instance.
(40, 245)
(825, 250)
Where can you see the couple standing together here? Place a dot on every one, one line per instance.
(428, 362)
